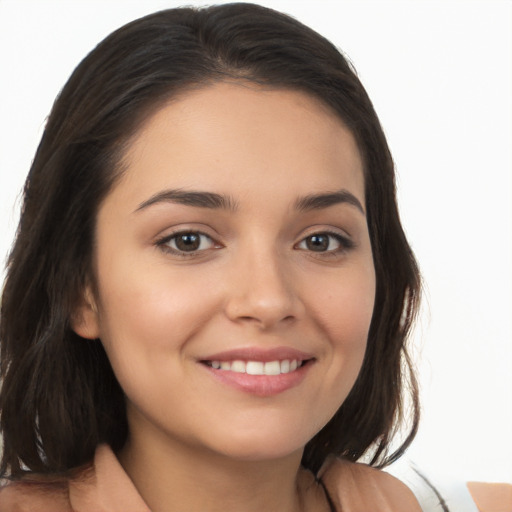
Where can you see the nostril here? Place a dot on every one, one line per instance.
(264, 302)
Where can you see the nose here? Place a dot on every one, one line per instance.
(263, 291)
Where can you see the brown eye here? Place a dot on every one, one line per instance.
(317, 243)
(325, 242)
(187, 242)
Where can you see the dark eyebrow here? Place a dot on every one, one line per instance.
(324, 200)
(190, 198)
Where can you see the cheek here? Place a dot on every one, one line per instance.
(345, 307)
(344, 313)
(147, 312)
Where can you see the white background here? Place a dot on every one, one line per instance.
(439, 73)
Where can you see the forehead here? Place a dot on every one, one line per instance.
(240, 133)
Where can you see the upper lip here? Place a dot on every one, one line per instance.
(259, 354)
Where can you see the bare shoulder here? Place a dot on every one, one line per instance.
(29, 496)
(491, 497)
(356, 487)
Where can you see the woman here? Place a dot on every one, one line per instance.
(208, 300)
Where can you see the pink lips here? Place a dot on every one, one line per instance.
(255, 357)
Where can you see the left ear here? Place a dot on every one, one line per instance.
(85, 320)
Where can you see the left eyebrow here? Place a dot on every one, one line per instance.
(326, 199)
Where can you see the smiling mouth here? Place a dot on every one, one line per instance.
(259, 367)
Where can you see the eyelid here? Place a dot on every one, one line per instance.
(345, 241)
(163, 242)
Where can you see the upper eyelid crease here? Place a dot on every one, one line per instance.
(175, 234)
(343, 239)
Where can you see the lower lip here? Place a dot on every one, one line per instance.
(260, 385)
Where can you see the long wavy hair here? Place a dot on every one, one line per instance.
(59, 397)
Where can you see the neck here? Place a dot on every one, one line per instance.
(172, 476)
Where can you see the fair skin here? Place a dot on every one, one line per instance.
(206, 304)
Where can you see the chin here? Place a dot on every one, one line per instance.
(264, 453)
(262, 445)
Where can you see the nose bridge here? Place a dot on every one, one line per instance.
(262, 288)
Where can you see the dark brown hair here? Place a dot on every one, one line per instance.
(59, 396)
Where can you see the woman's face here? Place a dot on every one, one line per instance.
(234, 270)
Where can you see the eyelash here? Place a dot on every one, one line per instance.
(345, 243)
(163, 243)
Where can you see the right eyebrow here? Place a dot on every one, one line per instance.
(196, 198)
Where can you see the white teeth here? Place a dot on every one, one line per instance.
(258, 367)
(255, 368)
(238, 366)
(272, 368)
